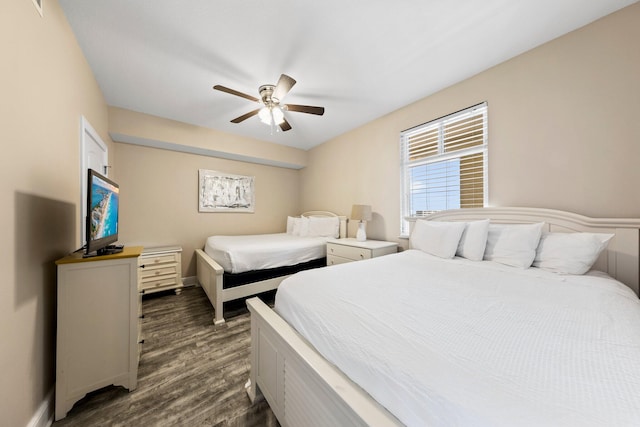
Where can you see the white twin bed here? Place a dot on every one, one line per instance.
(234, 267)
(240, 254)
(420, 339)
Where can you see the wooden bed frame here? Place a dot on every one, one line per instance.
(211, 275)
(302, 388)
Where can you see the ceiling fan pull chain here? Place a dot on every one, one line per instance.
(274, 125)
(273, 121)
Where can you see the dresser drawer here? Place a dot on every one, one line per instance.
(349, 252)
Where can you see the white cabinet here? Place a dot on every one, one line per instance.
(347, 250)
(160, 269)
(98, 325)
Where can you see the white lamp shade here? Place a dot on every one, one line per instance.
(361, 212)
(278, 115)
(265, 116)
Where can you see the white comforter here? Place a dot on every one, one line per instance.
(462, 343)
(237, 254)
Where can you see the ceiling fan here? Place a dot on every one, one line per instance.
(271, 111)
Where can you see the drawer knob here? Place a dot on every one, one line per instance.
(156, 260)
(156, 273)
(361, 256)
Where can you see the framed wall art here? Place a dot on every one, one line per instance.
(223, 192)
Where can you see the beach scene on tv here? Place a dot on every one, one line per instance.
(104, 209)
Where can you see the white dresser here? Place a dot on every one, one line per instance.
(160, 269)
(347, 250)
(98, 329)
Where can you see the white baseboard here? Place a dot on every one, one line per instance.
(190, 281)
(44, 415)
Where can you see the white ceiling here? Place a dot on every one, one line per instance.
(358, 59)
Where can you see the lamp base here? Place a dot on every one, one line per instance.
(361, 235)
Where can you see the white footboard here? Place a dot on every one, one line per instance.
(301, 387)
(211, 277)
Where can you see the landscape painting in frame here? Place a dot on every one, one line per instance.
(223, 192)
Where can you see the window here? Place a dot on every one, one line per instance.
(444, 164)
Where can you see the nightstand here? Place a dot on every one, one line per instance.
(340, 251)
(160, 269)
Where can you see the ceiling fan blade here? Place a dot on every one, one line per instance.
(236, 93)
(285, 83)
(244, 117)
(305, 109)
(285, 126)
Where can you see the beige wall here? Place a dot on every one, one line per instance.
(132, 127)
(47, 86)
(563, 132)
(159, 199)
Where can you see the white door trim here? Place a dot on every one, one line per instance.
(88, 136)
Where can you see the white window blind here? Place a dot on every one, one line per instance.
(444, 164)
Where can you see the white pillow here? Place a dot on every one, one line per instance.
(290, 224)
(570, 253)
(301, 227)
(439, 238)
(513, 244)
(324, 227)
(474, 240)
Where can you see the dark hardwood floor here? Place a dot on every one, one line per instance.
(191, 373)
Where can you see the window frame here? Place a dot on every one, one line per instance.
(406, 165)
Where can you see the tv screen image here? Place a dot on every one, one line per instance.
(102, 214)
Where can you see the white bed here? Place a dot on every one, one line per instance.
(540, 349)
(239, 254)
(249, 255)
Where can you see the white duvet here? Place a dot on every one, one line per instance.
(463, 343)
(237, 254)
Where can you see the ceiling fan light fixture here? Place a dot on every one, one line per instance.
(271, 115)
(270, 111)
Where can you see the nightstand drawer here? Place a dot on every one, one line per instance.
(158, 284)
(340, 251)
(349, 252)
(149, 261)
(158, 271)
(335, 260)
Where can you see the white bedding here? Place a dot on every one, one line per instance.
(237, 254)
(456, 342)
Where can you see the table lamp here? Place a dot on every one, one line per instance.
(361, 213)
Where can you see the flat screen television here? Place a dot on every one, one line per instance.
(103, 199)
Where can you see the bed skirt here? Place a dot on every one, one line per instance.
(239, 279)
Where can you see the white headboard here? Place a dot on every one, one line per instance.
(343, 219)
(620, 260)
